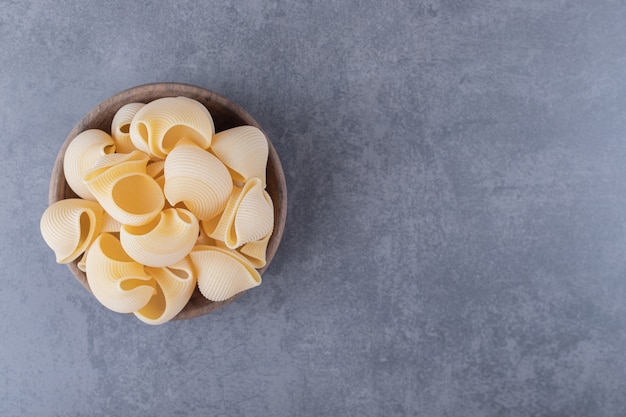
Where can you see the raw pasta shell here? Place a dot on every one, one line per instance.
(248, 216)
(222, 273)
(115, 279)
(210, 227)
(82, 264)
(164, 241)
(120, 184)
(155, 168)
(198, 179)
(243, 150)
(161, 181)
(109, 224)
(160, 124)
(255, 251)
(252, 251)
(120, 127)
(204, 239)
(69, 226)
(82, 152)
(175, 285)
(135, 161)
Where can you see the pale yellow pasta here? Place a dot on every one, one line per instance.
(221, 273)
(120, 127)
(256, 251)
(109, 224)
(164, 241)
(175, 285)
(166, 205)
(81, 153)
(155, 168)
(82, 264)
(210, 226)
(161, 181)
(135, 161)
(243, 150)
(69, 226)
(198, 179)
(248, 216)
(204, 239)
(115, 279)
(160, 124)
(120, 184)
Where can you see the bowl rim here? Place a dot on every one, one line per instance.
(106, 109)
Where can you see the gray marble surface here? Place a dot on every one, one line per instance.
(456, 235)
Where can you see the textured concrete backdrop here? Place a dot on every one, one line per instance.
(456, 237)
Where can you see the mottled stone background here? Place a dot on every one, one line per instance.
(456, 236)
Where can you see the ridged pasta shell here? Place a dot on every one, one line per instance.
(120, 184)
(210, 227)
(120, 127)
(80, 155)
(248, 216)
(198, 179)
(135, 161)
(204, 239)
(252, 251)
(115, 279)
(243, 150)
(161, 181)
(164, 241)
(69, 226)
(155, 168)
(221, 273)
(175, 285)
(256, 251)
(109, 224)
(160, 124)
(82, 264)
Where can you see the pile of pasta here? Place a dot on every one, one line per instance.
(164, 204)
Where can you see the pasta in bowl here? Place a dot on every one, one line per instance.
(167, 201)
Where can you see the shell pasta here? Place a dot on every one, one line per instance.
(222, 273)
(120, 184)
(243, 150)
(166, 206)
(120, 127)
(69, 226)
(248, 216)
(175, 285)
(198, 179)
(116, 280)
(80, 156)
(164, 241)
(159, 125)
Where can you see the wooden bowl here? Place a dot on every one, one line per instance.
(226, 115)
